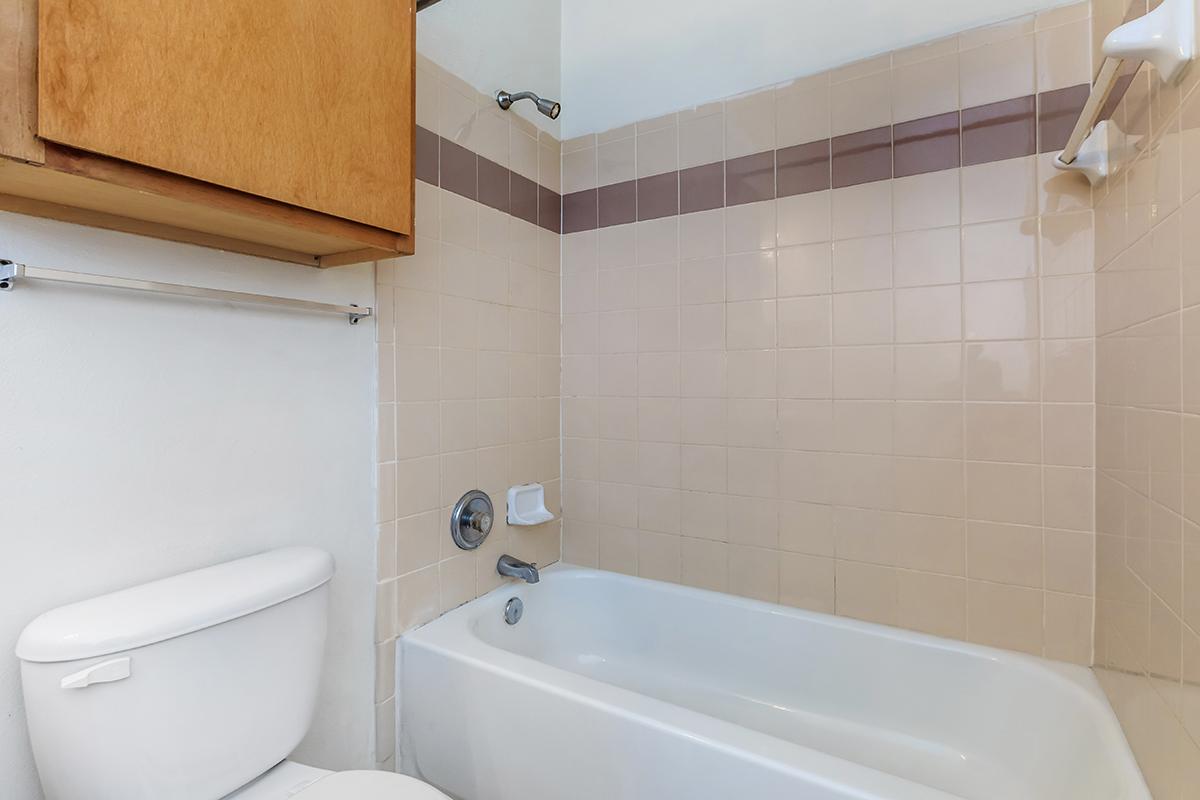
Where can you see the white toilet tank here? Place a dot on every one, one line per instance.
(181, 689)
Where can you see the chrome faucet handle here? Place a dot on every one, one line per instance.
(480, 521)
(472, 519)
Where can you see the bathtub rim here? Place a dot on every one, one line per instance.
(452, 635)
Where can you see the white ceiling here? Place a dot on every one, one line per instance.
(626, 60)
(498, 44)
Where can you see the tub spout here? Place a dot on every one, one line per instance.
(511, 567)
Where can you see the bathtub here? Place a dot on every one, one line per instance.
(619, 688)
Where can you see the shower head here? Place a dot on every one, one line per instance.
(548, 107)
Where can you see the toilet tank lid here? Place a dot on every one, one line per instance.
(164, 609)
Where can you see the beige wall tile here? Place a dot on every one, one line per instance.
(1004, 432)
(1067, 243)
(997, 71)
(925, 51)
(1003, 371)
(1004, 492)
(999, 32)
(867, 592)
(802, 111)
(999, 190)
(1010, 554)
(933, 430)
(862, 264)
(875, 401)
(807, 582)
(805, 322)
(934, 604)
(658, 150)
(1064, 55)
(862, 318)
(862, 103)
(1068, 628)
(1001, 310)
(927, 257)
(750, 124)
(925, 88)
(751, 227)
(863, 210)
(579, 170)
(659, 556)
(704, 564)
(615, 161)
(1005, 616)
(929, 372)
(804, 218)
(926, 201)
(754, 573)
(1068, 434)
(618, 550)
(702, 139)
(805, 269)
(999, 250)
(928, 486)
(930, 314)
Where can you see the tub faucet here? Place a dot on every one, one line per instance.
(511, 567)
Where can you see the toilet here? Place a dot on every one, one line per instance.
(194, 687)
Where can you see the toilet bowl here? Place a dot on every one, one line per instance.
(294, 781)
(194, 687)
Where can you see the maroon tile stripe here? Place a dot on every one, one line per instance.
(1057, 113)
(803, 168)
(863, 157)
(702, 188)
(750, 179)
(997, 131)
(927, 145)
(441, 162)
(616, 203)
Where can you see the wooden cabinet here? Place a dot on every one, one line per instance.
(280, 128)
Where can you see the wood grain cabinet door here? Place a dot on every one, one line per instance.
(308, 102)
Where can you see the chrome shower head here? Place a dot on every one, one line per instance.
(548, 107)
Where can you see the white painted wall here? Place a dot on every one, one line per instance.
(498, 44)
(142, 436)
(627, 60)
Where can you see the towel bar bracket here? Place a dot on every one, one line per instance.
(8, 274)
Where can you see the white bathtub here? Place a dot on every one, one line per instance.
(618, 688)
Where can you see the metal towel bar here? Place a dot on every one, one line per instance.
(11, 272)
(1101, 89)
(1166, 38)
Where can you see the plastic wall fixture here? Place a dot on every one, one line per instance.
(527, 505)
(1166, 37)
(1106, 149)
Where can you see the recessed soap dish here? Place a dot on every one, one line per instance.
(527, 505)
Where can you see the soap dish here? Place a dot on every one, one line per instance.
(527, 505)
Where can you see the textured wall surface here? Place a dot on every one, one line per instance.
(468, 362)
(830, 343)
(146, 435)
(1148, 428)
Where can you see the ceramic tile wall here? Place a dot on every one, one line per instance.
(830, 344)
(468, 362)
(1147, 427)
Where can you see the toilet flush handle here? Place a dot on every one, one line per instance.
(116, 669)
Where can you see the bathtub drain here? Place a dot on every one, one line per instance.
(513, 610)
